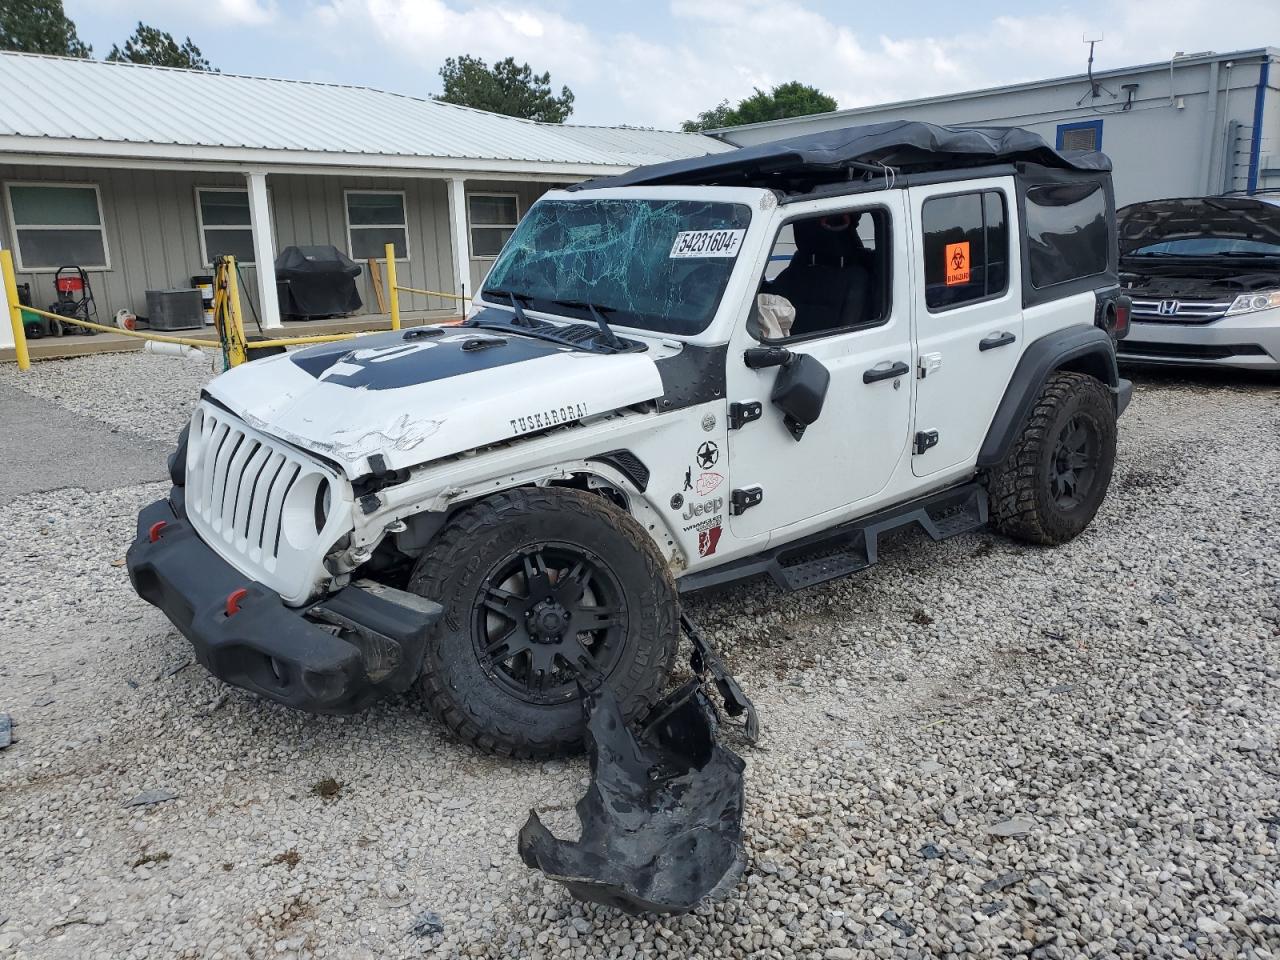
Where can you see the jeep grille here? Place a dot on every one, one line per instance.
(264, 507)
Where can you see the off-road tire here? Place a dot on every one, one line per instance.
(452, 571)
(1021, 488)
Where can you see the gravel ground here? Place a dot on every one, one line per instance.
(974, 747)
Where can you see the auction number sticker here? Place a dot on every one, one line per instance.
(707, 243)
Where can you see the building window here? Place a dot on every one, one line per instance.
(1067, 235)
(57, 225)
(1086, 135)
(225, 227)
(374, 219)
(966, 248)
(493, 217)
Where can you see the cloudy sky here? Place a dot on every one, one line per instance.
(660, 62)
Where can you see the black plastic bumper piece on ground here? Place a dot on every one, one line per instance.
(337, 656)
(662, 818)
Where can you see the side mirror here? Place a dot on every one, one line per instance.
(799, 392)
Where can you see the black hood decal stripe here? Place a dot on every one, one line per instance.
(388, 361)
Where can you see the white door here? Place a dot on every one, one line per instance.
(851, 451)
(968, 301)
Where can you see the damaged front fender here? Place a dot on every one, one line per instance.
(662, 818)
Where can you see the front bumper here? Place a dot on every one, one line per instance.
(336, 656)
(1250, 341)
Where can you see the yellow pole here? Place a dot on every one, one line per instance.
(73, 321)
(392, 290)
(236, 352)
(15, 311)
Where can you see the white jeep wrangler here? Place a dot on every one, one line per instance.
(748, 363)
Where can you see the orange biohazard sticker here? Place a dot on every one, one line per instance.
(957, 263)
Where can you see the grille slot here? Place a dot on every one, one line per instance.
(1189, 351)
(1173, 310)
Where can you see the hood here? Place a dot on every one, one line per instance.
(413, 396)
(1228, 218)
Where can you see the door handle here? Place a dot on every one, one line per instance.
(1002, 339)
(876, 374)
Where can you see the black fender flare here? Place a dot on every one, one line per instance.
(1079, 349)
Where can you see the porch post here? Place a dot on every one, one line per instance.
(9, 296)
(264, 254)
(461, 238)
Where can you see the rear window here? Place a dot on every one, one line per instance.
(966, 248)
(1066, 232)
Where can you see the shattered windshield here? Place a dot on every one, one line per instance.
(659, 265)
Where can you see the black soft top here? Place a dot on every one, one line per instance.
(902, 146)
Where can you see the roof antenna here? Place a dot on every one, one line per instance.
(1095, 88)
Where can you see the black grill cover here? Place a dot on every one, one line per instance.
(318, 281)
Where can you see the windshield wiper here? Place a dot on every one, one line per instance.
(597, 313)
(515, 299)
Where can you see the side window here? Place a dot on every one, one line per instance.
(374, 219)
(1066, 232)
(824, 275)
(225, 227)
(57, 223)
(966, 248)
(493, 218)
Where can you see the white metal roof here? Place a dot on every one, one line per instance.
(854, 113)
(91, 107)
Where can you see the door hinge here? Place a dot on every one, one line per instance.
(743, 413)
(742, 500)
(925, 439)
(928, 363)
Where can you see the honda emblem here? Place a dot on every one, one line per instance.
(1168, 308)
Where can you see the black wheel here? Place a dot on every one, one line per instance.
(1056, 475)
(535, 581)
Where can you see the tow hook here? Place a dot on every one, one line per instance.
(234, 599)
(662, 816)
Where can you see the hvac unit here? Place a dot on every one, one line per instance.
(175, 309)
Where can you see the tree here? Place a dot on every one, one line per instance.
(149, 45)
(721, 115)
(507, 87)
(39, 26)
(792, 99)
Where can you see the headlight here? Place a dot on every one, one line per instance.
(1253, 302)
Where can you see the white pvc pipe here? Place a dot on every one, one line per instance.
(174, 350)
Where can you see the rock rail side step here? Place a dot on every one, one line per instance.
(853, 546)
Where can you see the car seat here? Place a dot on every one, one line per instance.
(829, 278)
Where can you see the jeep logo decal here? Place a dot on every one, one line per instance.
(701, 509)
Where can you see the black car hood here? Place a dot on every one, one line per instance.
(1232, 218)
